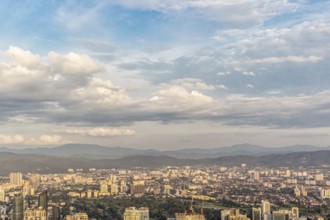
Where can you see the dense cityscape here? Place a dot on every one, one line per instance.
(165, 110)
(182, 193)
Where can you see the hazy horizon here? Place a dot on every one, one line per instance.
(165, 74)
(24, 147)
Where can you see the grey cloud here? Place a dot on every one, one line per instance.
(42, 96)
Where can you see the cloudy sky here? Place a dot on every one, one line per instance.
(165, 74)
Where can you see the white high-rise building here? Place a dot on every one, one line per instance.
(2, 195)
(224, 214)
(16, 178)
(265, 209)
(254, 175)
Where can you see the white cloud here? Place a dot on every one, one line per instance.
(192, 84)
(40, 95)
(110, 132)
(73, 63)
(222, 87)
(45, 139)
(11, 139)
(23, 58)
(176, 93)
(250, 86)
(223, 73)
(101, 92)
(293, 59)
(178, 99)
(248, 73)
(100, 132)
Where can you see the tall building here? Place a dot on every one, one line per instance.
(297, 191)
(138, 187)
(279, 215)
(256, 213)
(114, 189)
(2, 195)
(16, 179)
(104, 186)
(267, 216)
(224, 214)
(123, 186)
(27, 189)
(113, 178)
(104, 190)
(35, 214)
(43, 200)
(325, 193)
(232, 214)
(254, 175)
(295, 212)
(18, 202)
(304, 191)
(265, 210)
(56, 213)
(133, 213)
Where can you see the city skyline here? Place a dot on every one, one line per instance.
(184, 192)
(164, 74)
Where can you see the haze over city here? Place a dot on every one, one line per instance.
(164, 74)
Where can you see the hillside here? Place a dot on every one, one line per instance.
(100, 152)
(10, 162)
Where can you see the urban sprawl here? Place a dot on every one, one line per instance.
(187, 193)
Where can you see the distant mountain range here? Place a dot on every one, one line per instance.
(101, 152)
(11, 162)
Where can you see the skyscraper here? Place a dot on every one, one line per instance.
(16, 179)
(256, 213)
(265, 209)
(18, 207)
(56, 215)
(114, 189)
(2, 195)
(43, 200)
